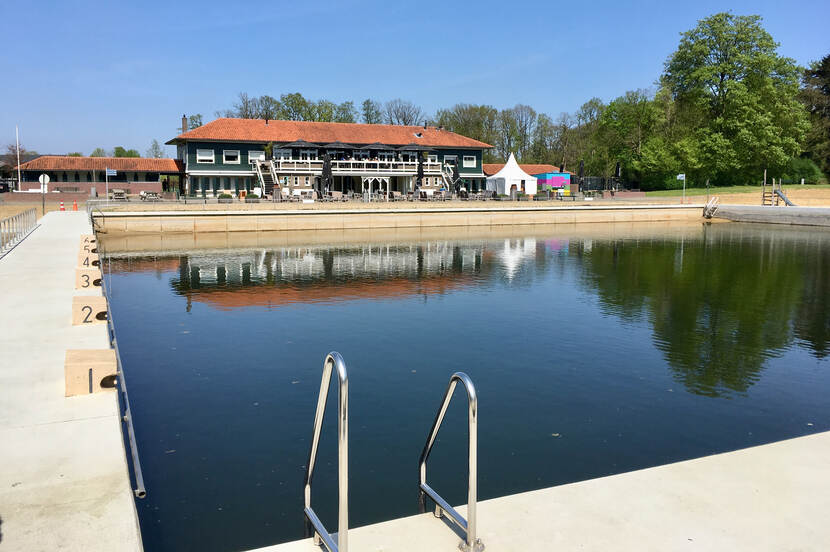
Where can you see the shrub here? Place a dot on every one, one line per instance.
(225, 196)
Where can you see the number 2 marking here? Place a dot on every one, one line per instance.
(88, 310)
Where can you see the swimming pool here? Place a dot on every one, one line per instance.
(595, 349)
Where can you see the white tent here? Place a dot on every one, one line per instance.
(510, 176)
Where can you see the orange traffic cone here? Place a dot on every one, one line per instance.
(62, 209)
(74, 204)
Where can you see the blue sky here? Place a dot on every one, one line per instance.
(88, 74)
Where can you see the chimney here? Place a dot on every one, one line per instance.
(425, 125)
(266, 121)
(184, 124)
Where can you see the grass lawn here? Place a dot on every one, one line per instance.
(720, 190)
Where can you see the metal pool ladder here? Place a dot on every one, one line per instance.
(333, 360)
(471, 543)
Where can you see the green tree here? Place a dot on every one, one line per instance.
(815, 95)
(119, 151)
(194, 121)
(370, 112)
(155, 151)
(100, 152)
(295, 107)
(75, 154)
(728, 68)
(345, 113)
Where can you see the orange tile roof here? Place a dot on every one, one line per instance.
(256, 130)
(493, 168)
(135, 164)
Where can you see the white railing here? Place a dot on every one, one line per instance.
(16, 227)
(355, 166)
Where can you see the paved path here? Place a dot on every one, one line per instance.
(770, 498)
(64, 483)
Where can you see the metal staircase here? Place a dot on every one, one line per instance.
(447, 177)
(773, 195)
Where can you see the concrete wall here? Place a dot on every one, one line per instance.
(248, 221)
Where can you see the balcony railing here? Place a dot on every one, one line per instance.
(356, 166)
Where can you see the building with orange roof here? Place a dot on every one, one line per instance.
(81, 174)
(287, 157)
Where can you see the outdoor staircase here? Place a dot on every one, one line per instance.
(446, 176)
(265, 174)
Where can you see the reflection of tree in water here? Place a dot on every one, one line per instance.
(719, 305)
(812, 319)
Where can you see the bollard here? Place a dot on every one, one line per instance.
(62, 209)
(74, 204)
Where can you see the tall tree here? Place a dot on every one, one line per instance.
(100, 152)
(75, 154)
(345, 113)
(371, 112)
(155, 151)
(815, 95)
(403, 112)
(729, 68)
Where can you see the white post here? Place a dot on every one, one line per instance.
(17, 140)
(684, 189)
(107, 186)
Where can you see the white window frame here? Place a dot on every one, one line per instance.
(256, 155)
(448, 158)
(386, 156)
(282, 154)
(225, 157)
(202, 156)
(468, 161)
(361, 155)
(306, 182)
(308, 155)
(432, 158)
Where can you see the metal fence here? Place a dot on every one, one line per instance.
(15, 228)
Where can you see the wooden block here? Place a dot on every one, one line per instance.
(87, 278)
(90, 309)
(88, 248)
(89, 371)
(88, 260)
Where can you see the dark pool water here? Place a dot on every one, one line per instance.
(595, 350)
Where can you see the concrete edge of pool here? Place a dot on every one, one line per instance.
(769, 497)
(117, 222)
(64, 482)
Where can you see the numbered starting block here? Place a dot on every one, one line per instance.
(87, 278)
(90, 309)
(88, 238)
(88, 260)
(90, 371)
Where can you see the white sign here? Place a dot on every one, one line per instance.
(681, 176)
(112, 172)
(44, 179)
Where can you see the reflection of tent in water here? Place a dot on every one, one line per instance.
(514, 252)
(511, 177)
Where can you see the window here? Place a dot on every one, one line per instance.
(432, 158)
(361, 154)
(230, 157)
(296, 181)
(283, 154)
(308, 155)
(204, 156)
(386, 156)
(306, 182)
(469, 161)
(256, 155)
(451, 159)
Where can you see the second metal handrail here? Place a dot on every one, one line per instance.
(333, 360)
(471, 543)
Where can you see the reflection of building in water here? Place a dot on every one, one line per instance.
(315, 274)
(515, 253)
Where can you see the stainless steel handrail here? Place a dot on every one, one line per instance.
(333, 360)
(126, 418)
(471, 543)
(15, 228)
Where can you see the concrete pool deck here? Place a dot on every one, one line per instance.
(64, 483)
(771, 497)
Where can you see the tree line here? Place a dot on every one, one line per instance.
(726, 107)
